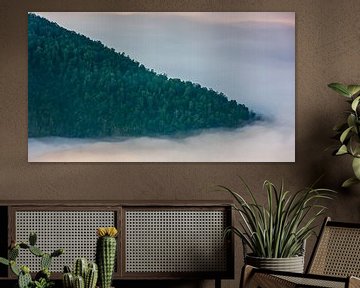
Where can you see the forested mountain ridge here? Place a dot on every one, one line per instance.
(80, 88)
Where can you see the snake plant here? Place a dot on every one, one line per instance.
(348, 132)
(279, 228)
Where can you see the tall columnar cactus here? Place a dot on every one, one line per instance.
(106, 254)
(23, 272)
(84, 276)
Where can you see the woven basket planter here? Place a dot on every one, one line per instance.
(291, 264)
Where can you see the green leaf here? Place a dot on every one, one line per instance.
(280, 227)
(4, 261)
(14, 268)
(349, 182)
(355, 103)
(354, 144)
(345, 134)
(340, 88)
(342, 150)
(356, 167)
(353, 89)
(351, 120)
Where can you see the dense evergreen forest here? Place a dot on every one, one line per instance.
(80, 88)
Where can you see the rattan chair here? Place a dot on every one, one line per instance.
(334, 263)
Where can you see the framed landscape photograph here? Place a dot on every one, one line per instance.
(161, 87)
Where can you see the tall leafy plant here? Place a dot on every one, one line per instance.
(279, 228)
(348, 132)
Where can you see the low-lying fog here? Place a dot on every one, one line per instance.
(260, 142)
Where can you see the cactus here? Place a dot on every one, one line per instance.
(24, 280)
(90, 272)
(67, 269)
(68, 280)
(57, 253)
(79, 282)
(42, 278)
(105, 254)
(36, 251)
(44, 273)
(80, 267)
(91, 276)
(14, 268)
(13, 253)
(32, 238)
(45, 261)
(24, 245)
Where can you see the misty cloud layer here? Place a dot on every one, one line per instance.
(259, 142)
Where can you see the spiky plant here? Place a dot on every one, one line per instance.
(279, 229)
(106, 254)
(84, 273)
(42, 278)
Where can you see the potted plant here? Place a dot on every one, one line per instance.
(348, 132)
(275, 233)
(84, 274)
(42, 278)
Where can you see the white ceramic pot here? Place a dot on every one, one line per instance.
(291, 264)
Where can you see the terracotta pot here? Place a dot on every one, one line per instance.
(291, 264)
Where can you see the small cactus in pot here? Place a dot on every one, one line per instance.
(85, 275)
(106, 254)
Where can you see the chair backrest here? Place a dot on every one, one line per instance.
(337, 251)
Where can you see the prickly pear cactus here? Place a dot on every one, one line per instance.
(106, 254)
(13, 253)
(32, 238)
(24, 280)
(42, 278)
(14, 268)
(36, 251)
(45, 261)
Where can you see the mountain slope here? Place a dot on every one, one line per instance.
(80, 88)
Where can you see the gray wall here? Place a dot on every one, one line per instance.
(327, 50)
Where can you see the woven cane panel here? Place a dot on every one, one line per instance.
(338, 253)
(175, 241)
(74, 231)
(306, 282)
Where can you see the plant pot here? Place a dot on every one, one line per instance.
(291, 264)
